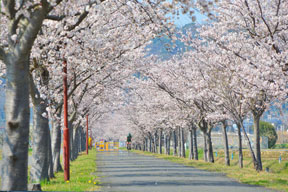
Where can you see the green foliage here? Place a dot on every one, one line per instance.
(281, 146)
(268, 130)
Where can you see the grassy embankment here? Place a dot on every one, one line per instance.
(82, 176)
(276, 178)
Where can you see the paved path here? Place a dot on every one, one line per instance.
(127, 171)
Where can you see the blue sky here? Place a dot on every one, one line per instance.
(184, 19)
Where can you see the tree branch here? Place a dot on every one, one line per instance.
(80, 19)
(35, 23)
(55, 17)
(10, 7)
(2, 54)
(15, 24)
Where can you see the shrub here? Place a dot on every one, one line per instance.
(268, 130)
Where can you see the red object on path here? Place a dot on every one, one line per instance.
(87, 134)
(66, 130)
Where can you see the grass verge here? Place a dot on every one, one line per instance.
(82, 176)
(276, 179)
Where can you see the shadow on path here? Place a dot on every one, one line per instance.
(127, 171)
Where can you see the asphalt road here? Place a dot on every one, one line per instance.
(128, 171)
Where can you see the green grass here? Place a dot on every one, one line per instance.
(277, 178)
(82, 176)
(29, 151)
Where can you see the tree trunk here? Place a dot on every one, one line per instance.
(168, 143)
(191, 148)
(226, 146)
(50, 159)
(71, 132)
(150, 142)
(40, 152)
(210, 147)
(160, 141)
(256, 119)
(16, 137)
(174, 143)
(75, 147)
(83, 139)
(183, 143)
(195, 143)
(155, 142)
(80, 140)
(165, 143)
(144, 145)
(56, 142)
(205, 152)
(179, 142)
(249, 144)
(240, 146)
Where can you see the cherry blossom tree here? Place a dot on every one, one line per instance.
(253, 40)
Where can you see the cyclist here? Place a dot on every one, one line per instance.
(129, 139)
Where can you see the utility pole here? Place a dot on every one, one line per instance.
(66, 144)
(87, 134)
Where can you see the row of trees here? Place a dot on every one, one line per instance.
(236, 67)
(97, 38)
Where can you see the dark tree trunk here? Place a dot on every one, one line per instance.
(146, 142)
(40, 152)
(183, 143)
(71, 134)
(160, 141)
(56, 142)
(191, 148)
(76, 143)
(256, 118)
(174, 143)
(50, 159)
(168, 143)
(155, 142)
(195, 143)
(240, 146)
(249, 144)
(179, 142)
(205, 152)
(150, 142)
(210, 147)
(71, 142)
(165, 143)
(83, 139)
(225, 140)
(144, 145)
(153, 146)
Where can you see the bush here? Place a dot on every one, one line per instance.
(281, 146)
(268, 130)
